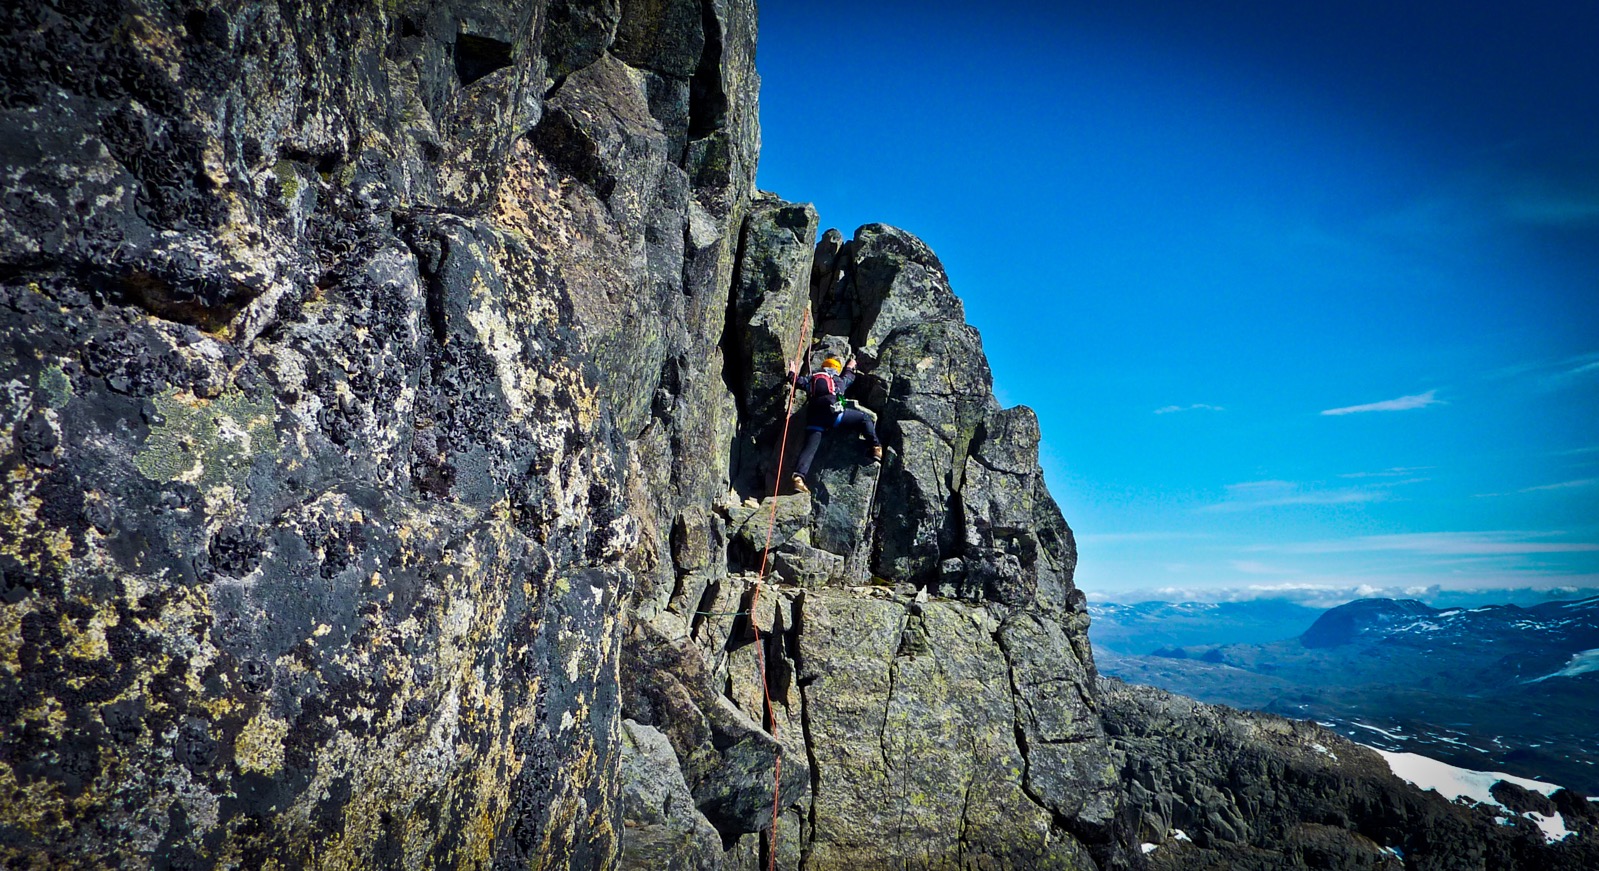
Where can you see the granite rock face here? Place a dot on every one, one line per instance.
(392, 404)
(343, 344)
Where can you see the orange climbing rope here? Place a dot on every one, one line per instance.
(755, 596)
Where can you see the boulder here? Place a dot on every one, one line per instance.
(661, 828)
(896, 282)
(939, 392)
(909, 709)
(728, 759)
(807, 567)
(767, 311)
(577, 34)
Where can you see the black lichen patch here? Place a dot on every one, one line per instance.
(235, 551)
(124, 720)
(194, 747)
(70, 760)
(17, 582)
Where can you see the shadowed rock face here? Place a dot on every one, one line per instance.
(391, 397)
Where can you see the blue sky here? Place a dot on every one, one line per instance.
(1306, 299)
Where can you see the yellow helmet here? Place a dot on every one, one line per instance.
(834, 364)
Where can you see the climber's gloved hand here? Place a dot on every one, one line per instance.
(849, 366)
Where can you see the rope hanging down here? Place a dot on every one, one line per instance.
(760, 651)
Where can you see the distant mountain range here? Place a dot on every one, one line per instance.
(1147, 626)
(1498, 687)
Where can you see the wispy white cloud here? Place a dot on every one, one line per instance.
(1563, 485)
(1505, 192)
(1403, 403)
(1543, 488)
(1332, 593)
(1395, 472)
(1556, 374)
(1486, 543)
(1137, 537)
(1267, 486)
(1270, 494)
(1584, 369)
(1541, 205)
(1256, 567)
(1198, 406)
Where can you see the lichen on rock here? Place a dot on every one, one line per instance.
(392, 417)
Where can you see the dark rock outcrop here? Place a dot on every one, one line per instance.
(391, 405)
(1254, 791)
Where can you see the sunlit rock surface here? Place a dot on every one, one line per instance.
(391, 408)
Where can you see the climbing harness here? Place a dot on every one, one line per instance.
(755, 596)
(850, 403)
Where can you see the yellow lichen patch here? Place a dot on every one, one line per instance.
(206, 442)
(11, 634)
(23, 537)
(56, 386)
(292, 664)
(156, 45)
(89, 642)
(260, 744)
(288, 181)
(37, 808)
(49, 713)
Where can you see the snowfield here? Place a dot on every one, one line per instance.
(1460, 783)
(1580, 663)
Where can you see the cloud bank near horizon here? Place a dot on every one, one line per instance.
(1316, 595)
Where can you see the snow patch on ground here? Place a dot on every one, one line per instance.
(1554, 826)
(1322, 749)
(1580, 663)
(1383, 732)
(1174, 834)
(1456, 784)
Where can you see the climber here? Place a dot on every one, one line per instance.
(825, 409)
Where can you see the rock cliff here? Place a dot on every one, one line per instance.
(392, 407)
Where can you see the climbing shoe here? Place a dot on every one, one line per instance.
(799, 484)
(877, 453)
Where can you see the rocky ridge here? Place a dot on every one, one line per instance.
(392, 402)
